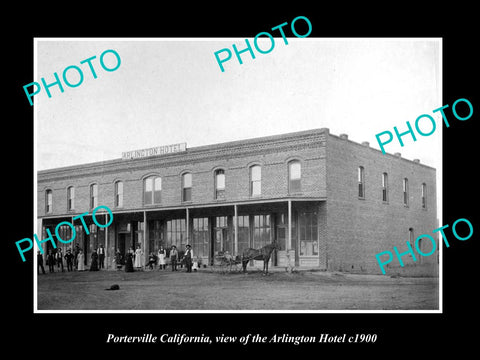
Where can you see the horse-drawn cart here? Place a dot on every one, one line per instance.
(225, 262)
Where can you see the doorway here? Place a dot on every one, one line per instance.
(123, 243)
(221, 241)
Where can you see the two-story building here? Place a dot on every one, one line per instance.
(330, 202)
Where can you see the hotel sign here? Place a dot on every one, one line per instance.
(159, 150)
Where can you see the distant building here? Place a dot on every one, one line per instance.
(332, 203)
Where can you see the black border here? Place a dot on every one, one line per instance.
(403, 333)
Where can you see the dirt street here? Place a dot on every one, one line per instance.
(206, 290)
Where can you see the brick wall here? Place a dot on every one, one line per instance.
(272, 153)
(358, 229)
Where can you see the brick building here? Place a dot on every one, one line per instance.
(330, 202)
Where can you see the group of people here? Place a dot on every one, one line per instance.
(133, 259)
(74, 261)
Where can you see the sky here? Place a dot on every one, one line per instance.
(169, 91)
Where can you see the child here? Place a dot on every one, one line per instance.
(195, 264)
(152, 260)
(161, 258)
(173, 257)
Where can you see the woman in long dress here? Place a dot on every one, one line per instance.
(161, 258)
(138, 257)
(129, 261)
(80, 261)
(94, 264)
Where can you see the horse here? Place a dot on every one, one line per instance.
(259, 254)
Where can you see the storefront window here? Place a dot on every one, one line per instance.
(308, 232)
(200, 237)
(222, 238)
(243, 233)
(176, 234)
(261, 231)
(155, 235)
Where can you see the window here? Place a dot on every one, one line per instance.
(70, 198)
(48, 201)
(361, 182)
(223, 241)
(424, 196)
(294, 176)
(308, 226)
(220, 184)
(405, 191)
(243, 233)
(93, 196)
(282, 229)
(187, 187)
(411, 237)
(152, 190)
(261, 231)
(119, 194)
(385, 187)
(65, 233)
(255, 180)
(148, 191)
(200, 239)
(157, 190)
(156, 234)
(176, 234)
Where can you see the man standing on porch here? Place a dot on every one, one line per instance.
(188, 258)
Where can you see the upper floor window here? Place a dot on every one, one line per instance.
(294, 176)
(405, 191)
(119, 193)
(361, 182)
(70, 198)
(424, 196)
(152, 193)
(255, 180)
(48, 201)
(93, 196)
(187, 187)
(220, 184)
(385, 187)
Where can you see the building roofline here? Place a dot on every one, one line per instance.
(191, 151)
(229, 145)
(365, 144)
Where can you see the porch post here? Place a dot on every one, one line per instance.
(105, 249)
(235, 229)
(187, 227)
(289, 238)
(145, 240)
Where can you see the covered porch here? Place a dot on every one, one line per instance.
(298, 226)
